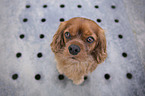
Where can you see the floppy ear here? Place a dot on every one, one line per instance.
(58, 39)
(100, 52)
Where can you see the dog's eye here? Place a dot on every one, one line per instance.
(90, 39)
(67, 35)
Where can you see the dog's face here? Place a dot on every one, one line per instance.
(79, 46)
(79, 40)
(79, 37)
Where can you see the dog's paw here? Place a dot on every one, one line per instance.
(78, 82)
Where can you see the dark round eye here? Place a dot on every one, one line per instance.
(90, 39)
(67, 35)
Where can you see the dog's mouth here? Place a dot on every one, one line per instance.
(73, 57)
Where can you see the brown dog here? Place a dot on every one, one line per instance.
(79, 46)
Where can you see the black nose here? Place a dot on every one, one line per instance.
(74, 49)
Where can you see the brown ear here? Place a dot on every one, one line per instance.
(58, 39)
(100, 52)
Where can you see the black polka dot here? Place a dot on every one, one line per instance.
(124, 54)
(62, 6)
(79, 6)
(41, 36)
(44, 6)
(85, 78)
(107, 76)
(61, 19)
(25, 20)
(60, 77)
(120, 36)
(129, 75)
(113, 6)
(37, 76)
(39, 55)
(43, 20)
(116, 20)
(15, 76)
(18, 55)
(22, 36)
(96, 6)
(99, 20)
(28, 6)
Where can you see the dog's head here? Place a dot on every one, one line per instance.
(78, 38)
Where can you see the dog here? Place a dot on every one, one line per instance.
(79, 46)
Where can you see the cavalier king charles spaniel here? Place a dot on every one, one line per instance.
(79, 46)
